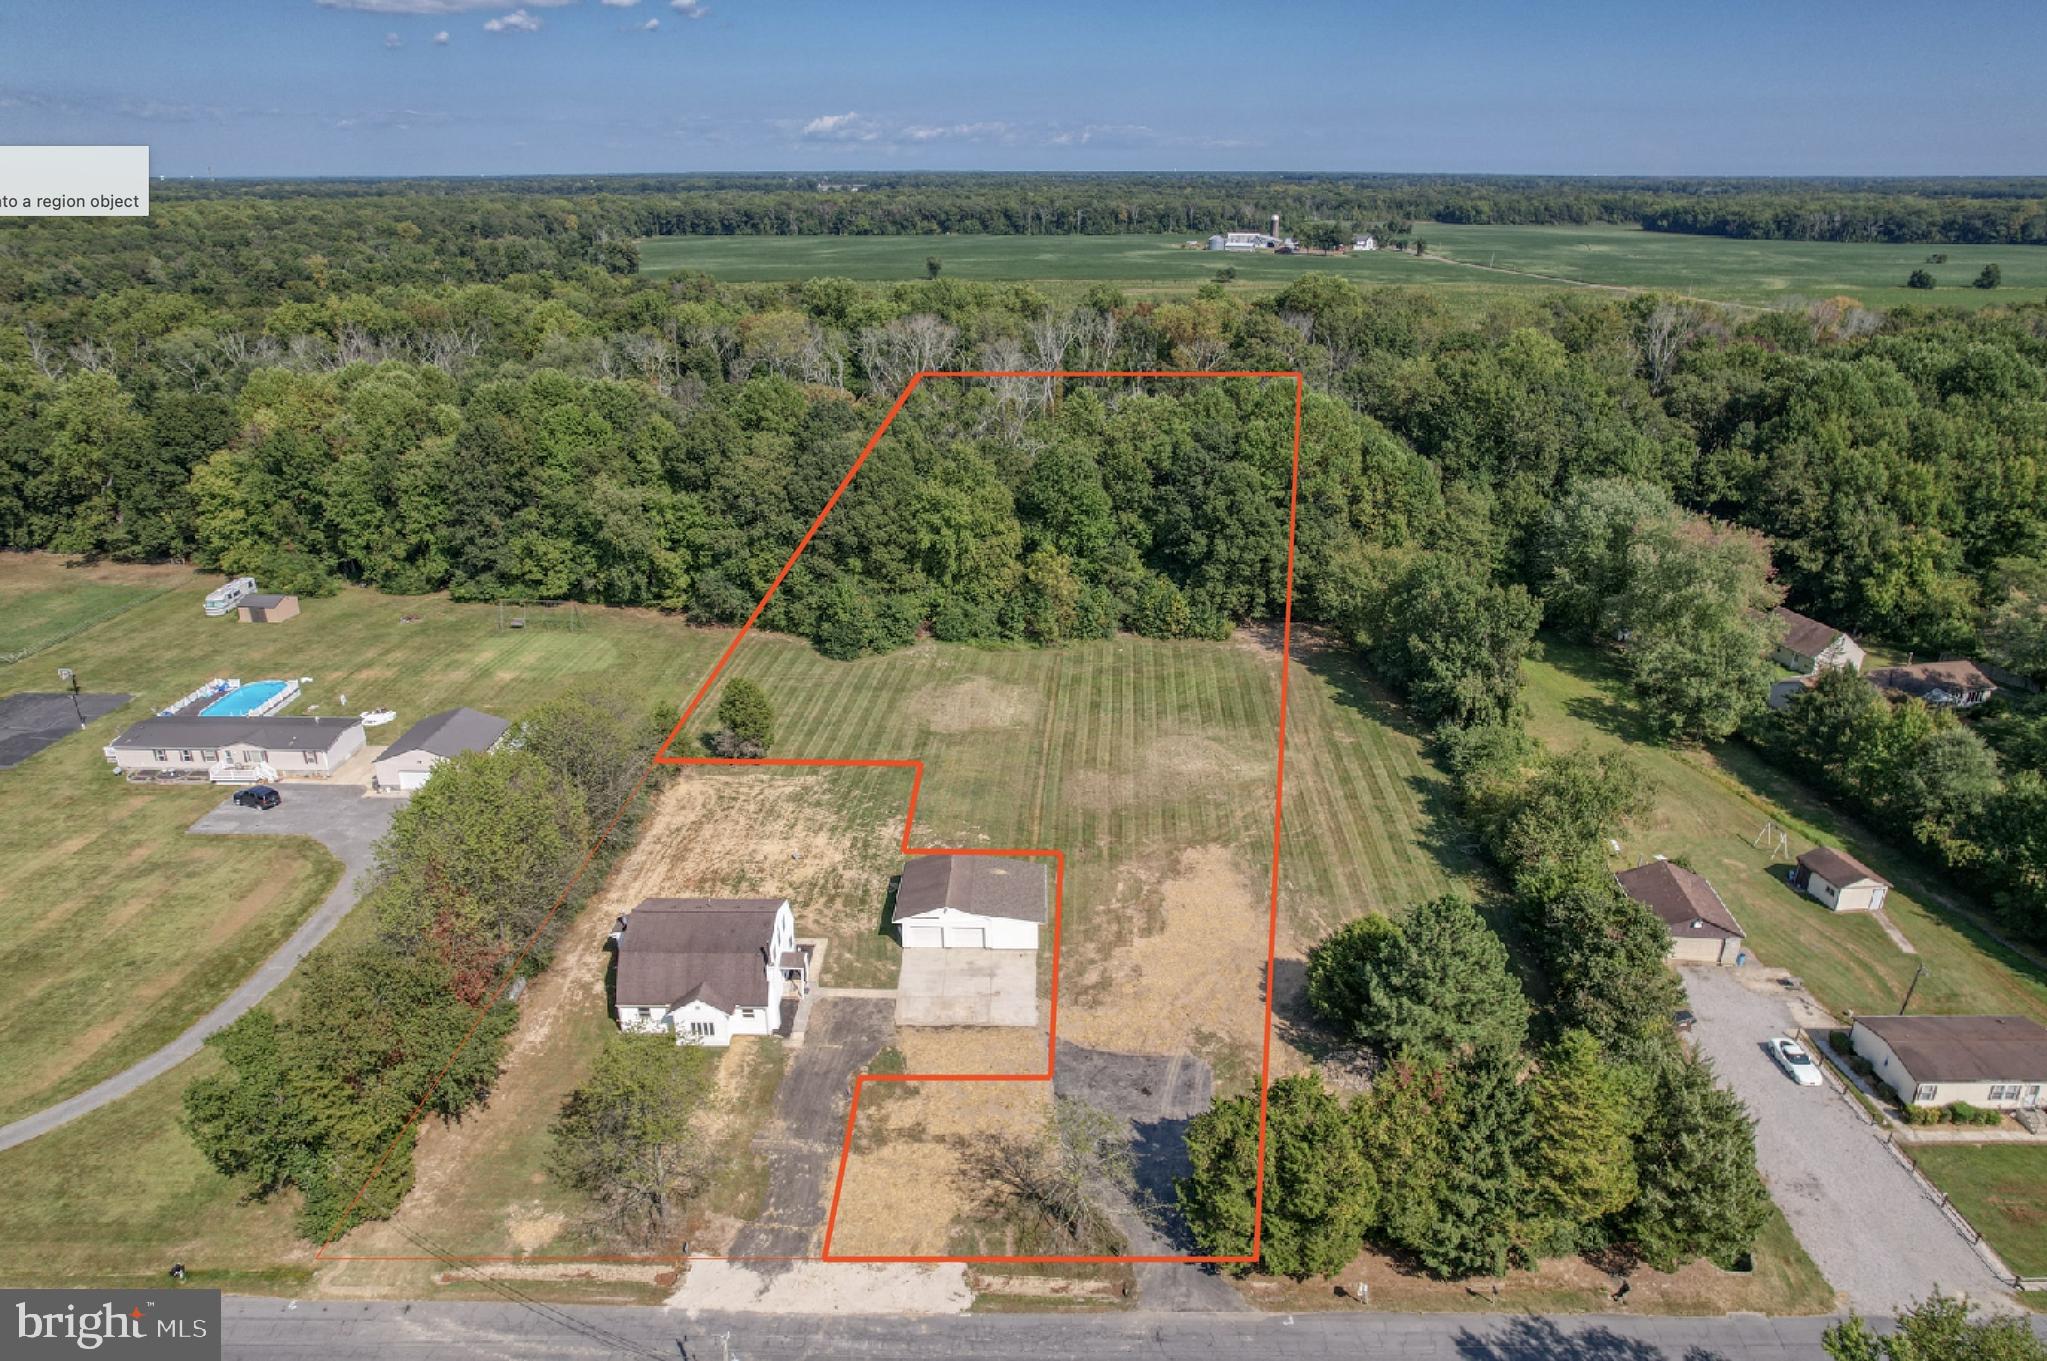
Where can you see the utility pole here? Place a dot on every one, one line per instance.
(70, 679)
(1916, 976)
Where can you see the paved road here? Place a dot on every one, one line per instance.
(340, 819)
(802, 1143)
(508, 1331)
(1873, 1234)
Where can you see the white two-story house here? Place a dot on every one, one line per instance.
(706, 969)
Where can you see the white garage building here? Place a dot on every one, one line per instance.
(1841, 881)
(973, 902)
(406, 763)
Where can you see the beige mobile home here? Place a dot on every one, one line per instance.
(230, 750)
(1998, 1062)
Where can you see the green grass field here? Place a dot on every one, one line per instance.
(1464, 263)
(1708, 809)
(1997, 1187)
(36, 614)
(1122, 752)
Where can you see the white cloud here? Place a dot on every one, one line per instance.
(441, 38)
(649, 26)
(429, 6)
(618, 4)
(393, 40)
(689, 9)
(958, 132)
(841, 127)
(518, 21)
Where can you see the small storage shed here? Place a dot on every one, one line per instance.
(974, 902)
(1839, 880)
(267, 609)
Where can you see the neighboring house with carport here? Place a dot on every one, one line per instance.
(992, 902)
(405, 765)
(1702, 930)
(1839, 880)
(1959, 684)
(706, 969)
(1808, 646)
(267, 609)
(1998, 1062)
(229, 749)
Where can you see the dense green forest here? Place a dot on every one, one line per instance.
(424, 391)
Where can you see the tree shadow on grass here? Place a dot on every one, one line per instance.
(1613, 707)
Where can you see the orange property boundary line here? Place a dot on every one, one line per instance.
(916, 769)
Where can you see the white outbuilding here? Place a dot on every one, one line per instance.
(1839, 880)
(405, 764)
(973, 902)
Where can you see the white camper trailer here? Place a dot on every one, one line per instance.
(223, 600)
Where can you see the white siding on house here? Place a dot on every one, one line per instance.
(2002, 1095)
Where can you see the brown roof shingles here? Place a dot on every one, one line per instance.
(1685, 900)
(984, 885)
(1804, 636)
(1964, 1048)
(1839, 868)
(673, 951)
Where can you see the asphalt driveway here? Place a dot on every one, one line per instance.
(339, 818)
(1874, 1235)
(801, 1145)
(967, 987)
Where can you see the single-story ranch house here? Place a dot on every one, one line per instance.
(706, 969)
(1959, 684)
(1808, 646)
(236, 750)
(405, 764)
(1840, 881)
(1702, 930)
(993, 902)
(1992, 1061)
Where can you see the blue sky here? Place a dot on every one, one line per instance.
(267, 87)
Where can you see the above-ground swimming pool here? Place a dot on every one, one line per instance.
(245, 699)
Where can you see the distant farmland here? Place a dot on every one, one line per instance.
(1462, 261)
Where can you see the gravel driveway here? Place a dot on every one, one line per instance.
(339, 818)
(1874, 1234)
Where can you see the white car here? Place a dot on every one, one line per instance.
(1796, 1063)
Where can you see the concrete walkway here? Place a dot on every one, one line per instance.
(339, 818)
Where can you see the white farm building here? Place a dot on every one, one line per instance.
(975, 902)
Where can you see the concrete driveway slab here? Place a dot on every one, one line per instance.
(1873, 1233)
(968, 987)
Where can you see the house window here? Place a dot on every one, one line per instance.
(2000, 1091)
(702, 1029)
(1925, 1091)
(209, 754)
(312, 758)
(186, 756)
(644, 1013)
(159, 755)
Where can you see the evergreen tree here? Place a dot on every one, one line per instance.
(1339, 971)
(1477, 1225)
(1604, 954)
(1441, 987)
(746, 719)
(1582, 1123)
(1700, 1194)
(1403, 1131)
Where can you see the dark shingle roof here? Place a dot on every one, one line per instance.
(261, 602)
(1684, 900)
(1839, 868)
(1925, 678)
(450, 733)
(1806, 637)
(674, 951)
(273, 733)
(985, 885)
(1964, 1048)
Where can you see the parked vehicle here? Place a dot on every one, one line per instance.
(260, 797)
(222, 600)
(1796, 1063)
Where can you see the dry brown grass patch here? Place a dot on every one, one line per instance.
(977, 705)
